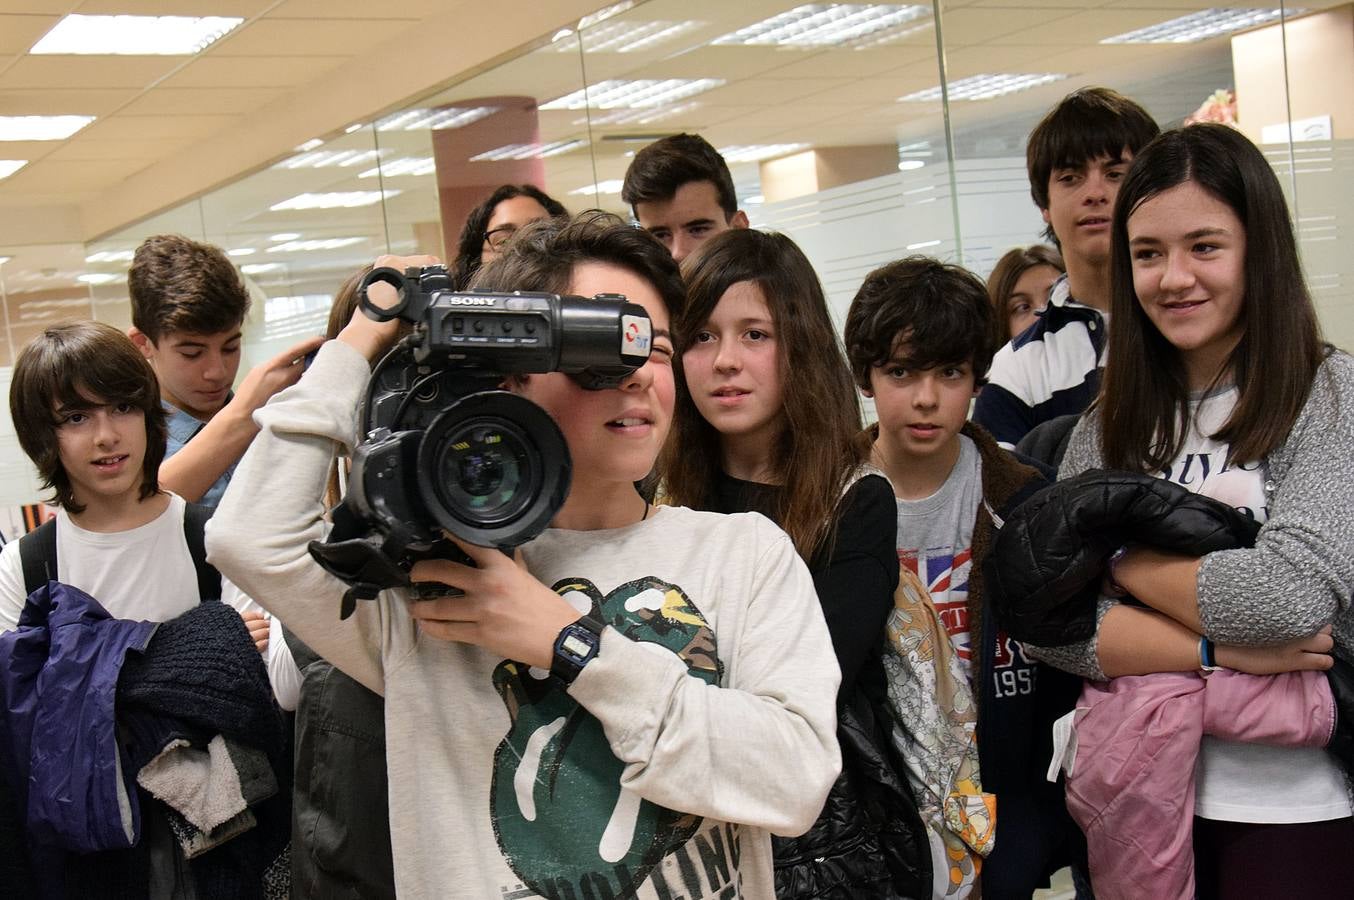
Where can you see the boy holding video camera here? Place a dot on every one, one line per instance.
(602, 715)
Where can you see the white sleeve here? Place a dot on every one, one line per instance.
(760, 750)
(283, 674)
(12, 596)
(259, 534)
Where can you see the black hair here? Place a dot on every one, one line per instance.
(657, 171)
(471, 246)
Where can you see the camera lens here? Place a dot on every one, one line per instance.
(483, 471)
(493, 469)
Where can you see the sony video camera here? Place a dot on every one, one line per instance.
(446, 448)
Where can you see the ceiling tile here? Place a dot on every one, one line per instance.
(252, 71)
(27, 149)
(38, 102)
(148, 149)
(131, 128)
(188, 101)
(314, 37)
(243, 8)
(981, 26)
(769, 93)
(357, 9)
(87, 71)
(19, 33)
(77, 174)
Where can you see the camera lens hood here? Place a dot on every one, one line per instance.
(493, 469)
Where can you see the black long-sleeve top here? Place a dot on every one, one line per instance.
(855, 570)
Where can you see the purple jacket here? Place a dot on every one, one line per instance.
(58, 679)
(1131, 785)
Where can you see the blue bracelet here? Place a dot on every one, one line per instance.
(1206, 660)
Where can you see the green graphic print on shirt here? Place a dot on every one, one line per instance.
(563, 822)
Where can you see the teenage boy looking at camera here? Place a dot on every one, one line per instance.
(188, 309)
(681, 192)
(1077, 157)
(643, 773)
(920, 336)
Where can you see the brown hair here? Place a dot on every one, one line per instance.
(1086, 124)
(941, 311)
(543, 255)
(76, 365)
(817, 450)
(1001, 283)
(178, 284)
(1144, 398)
(661, 168)
(340, 312)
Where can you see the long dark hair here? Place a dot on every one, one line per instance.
(817, 451)
(471, 246)
(1144, 398)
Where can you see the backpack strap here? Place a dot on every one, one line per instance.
(37, 553)
(195, 519)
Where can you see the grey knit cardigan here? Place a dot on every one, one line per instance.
(1299, 576)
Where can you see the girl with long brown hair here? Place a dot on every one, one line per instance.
(768, 420)
(1218, 380)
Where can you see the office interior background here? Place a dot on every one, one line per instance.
(309, 136)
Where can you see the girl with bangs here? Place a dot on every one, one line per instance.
(768, 420)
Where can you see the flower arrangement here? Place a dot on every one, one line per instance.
(1220, 107)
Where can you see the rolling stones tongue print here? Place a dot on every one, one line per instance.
(565, 824)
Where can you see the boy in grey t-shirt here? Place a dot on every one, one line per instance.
(920, 337)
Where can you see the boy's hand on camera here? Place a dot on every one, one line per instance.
(371, 338)
(505, 609)
(1310, 653)
(257, 623)
(267, 378)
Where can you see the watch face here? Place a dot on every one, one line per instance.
(575, 646)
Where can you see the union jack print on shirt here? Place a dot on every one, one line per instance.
(946, 576)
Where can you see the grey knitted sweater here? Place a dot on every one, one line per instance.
(1299, 576)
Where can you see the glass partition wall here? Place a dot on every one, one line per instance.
(865, 131)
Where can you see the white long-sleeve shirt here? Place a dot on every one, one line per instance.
(705, 723)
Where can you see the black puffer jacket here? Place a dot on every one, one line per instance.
(1049, 557)
(869, 840)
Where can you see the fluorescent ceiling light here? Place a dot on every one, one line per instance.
(135, 35)
(985, 87)
(111, 256)
(922, 245)
(259, 268)
(909, 165)
(405, 165)
(610, 186)
(41, 128)
(617, 93)
(315, 244)
(242, 251)
(284, 236)
(830, 25)
(743, 153)
(5, 259)
(323, 159)
(753, 200)
(356, 126)
(626, 37)
(333, 200)
(434, 119)
(605, 13)
(528, 151)
(98, 278)
(308, 145)
(9, 166)
(1200, 26)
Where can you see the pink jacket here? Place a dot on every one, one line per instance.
(1131, 788)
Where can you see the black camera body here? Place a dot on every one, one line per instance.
(446, 448)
